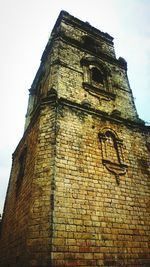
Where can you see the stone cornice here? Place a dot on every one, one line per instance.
(53, 101)
(102, 114)
(81, 25)
(88, 28)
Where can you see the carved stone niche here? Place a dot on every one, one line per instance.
(112, 154)
(97, 78)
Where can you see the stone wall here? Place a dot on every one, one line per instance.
(27, 219)
(79, 190)
(17, 206)
(96, 221)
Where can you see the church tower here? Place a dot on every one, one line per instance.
(79, 189)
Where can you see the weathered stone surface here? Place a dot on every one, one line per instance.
(83, 196)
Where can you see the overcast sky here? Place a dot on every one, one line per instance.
(25, 26)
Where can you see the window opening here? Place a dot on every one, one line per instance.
(96, 75)
(88, 42)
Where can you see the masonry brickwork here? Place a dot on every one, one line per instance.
(79, 189)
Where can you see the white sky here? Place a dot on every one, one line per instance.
(25, 26)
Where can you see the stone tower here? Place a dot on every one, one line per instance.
(79, 189)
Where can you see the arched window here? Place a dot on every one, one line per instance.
(97, 78)
(96, 75)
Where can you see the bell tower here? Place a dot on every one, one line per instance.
(79, 192)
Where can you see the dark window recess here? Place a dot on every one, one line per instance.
(96, 75)
(88, 42)
(22, 163)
